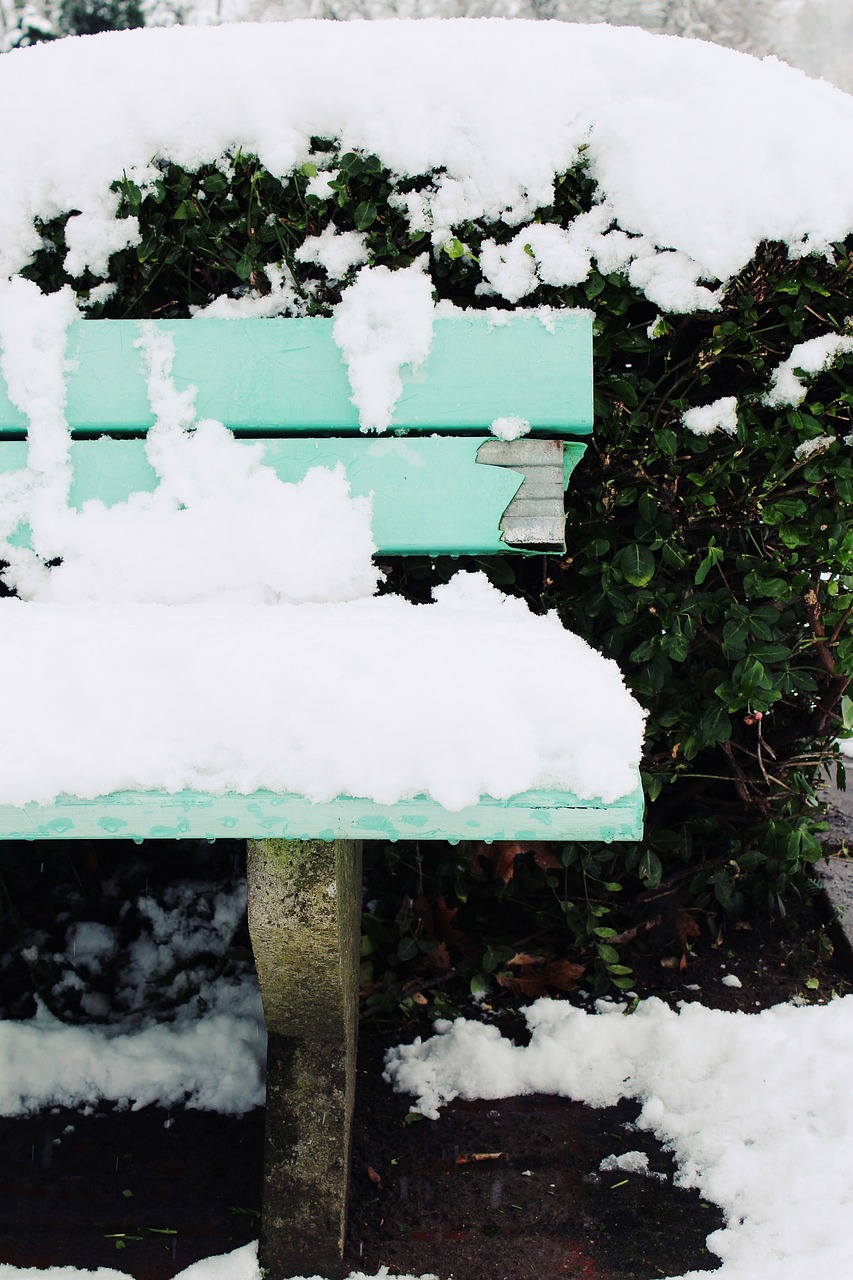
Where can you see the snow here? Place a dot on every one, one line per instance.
(754, 1107)
(383, 322)
(241, 1264)
(810, 357)
(630, 1162)
(285, 698)
(816, 445)
(140, 1053)
(214, 1064)
(661, 122)
(337, 252)
(510, 428)
(721, 415)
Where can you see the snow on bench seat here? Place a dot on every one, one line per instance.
(369, 718)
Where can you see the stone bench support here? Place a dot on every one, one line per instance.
(304, 921)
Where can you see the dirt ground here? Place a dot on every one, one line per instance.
(491, 1191)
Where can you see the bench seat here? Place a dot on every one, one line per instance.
(185, 815)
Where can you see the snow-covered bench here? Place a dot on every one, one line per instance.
(482, 442)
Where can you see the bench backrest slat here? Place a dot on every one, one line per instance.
(287, 377)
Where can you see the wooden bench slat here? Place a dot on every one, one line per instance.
(130, 815)
(287, 377)
(432, 495)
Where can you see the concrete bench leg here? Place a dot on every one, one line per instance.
(304, 921)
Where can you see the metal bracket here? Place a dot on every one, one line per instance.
(535, 517)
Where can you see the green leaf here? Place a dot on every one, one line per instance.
(713, 556)
(652, 785)
(624, 392)
(494, 957)
(608, 954)
(755, 584)
(650, 868)
(637, 565)
(407, 949)
(365, 215)
(309, 169)
(715, 725)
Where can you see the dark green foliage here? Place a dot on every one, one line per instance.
(89, 17)
(74, 18)
(716, 570)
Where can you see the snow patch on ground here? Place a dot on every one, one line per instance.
(755, 1108)
(241, 1264)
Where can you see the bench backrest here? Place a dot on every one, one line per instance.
(440, 481)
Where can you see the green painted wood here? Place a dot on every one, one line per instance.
(430, 495)
(535, 815)
(288, 377)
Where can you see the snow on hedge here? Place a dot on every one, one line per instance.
(699, 151)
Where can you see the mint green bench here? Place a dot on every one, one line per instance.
(441, 483)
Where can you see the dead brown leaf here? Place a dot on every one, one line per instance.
(536, 975)
(501, 856)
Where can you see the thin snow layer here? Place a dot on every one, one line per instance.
(699, 151)
(241, 1264)
(213, 1064)
(212, 1061)
(756, 1108)
(132, 697)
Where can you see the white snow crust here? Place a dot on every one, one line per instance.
(700, 151)
(382, 322)
(756, 1109)
(375, 697)
(213, 1064)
